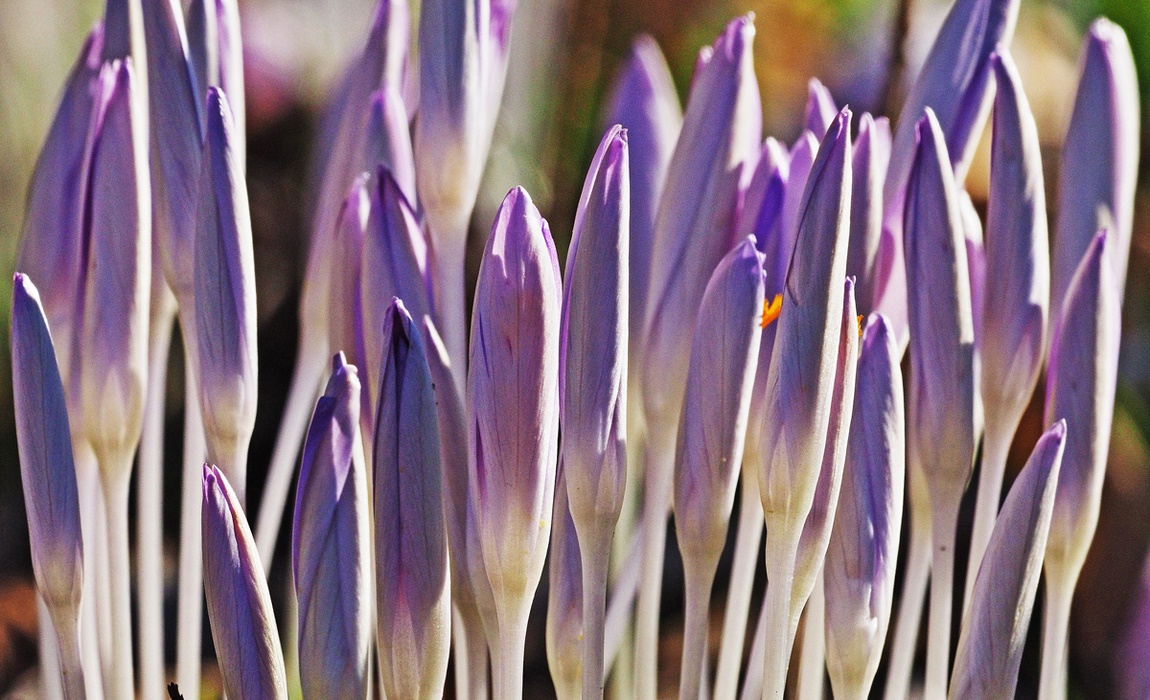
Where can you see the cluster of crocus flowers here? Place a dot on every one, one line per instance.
(731, 319)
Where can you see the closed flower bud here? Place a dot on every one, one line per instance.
(869, 166)
(216, 51)
(331, 556)
(820, 110)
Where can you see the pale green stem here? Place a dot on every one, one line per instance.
(307, 378)
(449, 273)
(470, 648)
(995, 448)
(698, 591)
(618, 622)
(782, 548)
(150, 505)
(509, 660)
(1055, 634)
(88, 484)
(905, 640)
(117, 483)
(71, 679)
(812, 659)
(657, 502)
(98, 569)
(941, 605)
(753, 684)
(748, 539)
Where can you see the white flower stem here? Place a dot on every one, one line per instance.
(941, 603)
(67, 638)
(812, 659)
(307, 378)
(782, 548)
(995, 448)
(470, 648)
(659, 460)
(116, 475)
(748, 539)
(1055, 633)
(150, 502)
(88, 484)
(189, 624)
(51, 665)
(595, 546)
(698, 593)
(905, 640)
(509, 660)
(449, 272)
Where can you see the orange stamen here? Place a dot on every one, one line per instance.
(771, 310)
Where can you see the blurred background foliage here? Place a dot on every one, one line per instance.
(565, 54)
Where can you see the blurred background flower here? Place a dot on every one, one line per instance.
(564, 56)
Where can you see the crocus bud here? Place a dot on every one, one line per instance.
(244, 629)
(1017, 257)
(817, 528)
(821, 110)
(693, 227)
(513, 404)
(1099, 165)
(801, 376)
(565, 600)
(216, 51)
(994, 628)
(176, 121)
(225, 296)
(955, 82)
(943, 405)
(331, 559)
(50, 241)
(395, 264)
(413, 595)
(802, 159)
(764, 190)
(345, 314)
(340, 154)
(975, 261)
(593, 342)
(387, 139)
(714, 419)
(869, 165)
(644, 102)
(1080, 386)
(47, 471)
(463, 50)
(862, 555)
(110, 350)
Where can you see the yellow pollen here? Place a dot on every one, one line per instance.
(771, 309)
(860, 325)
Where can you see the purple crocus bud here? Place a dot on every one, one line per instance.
(862, 555)
(693, 227)
(345, 314)
(644, 102)
(593, 373)
(50, 241)
(1011, 329)
(413, 594)
(765, 189)
(331, 559)
(47, 473)
(994, 628)
(513, 416)
(225, 296)
(387, 139)
(955, 82)
(817, 528)
(944, 414)
(713, 430)
(239, 608)
(1080, 387)
(216, 51)
(869, 165)
(395, 264)
(110, 351)
(799, 393)
(341, 155)
(176, 121)
(565, 634)
(821, 110)
(1099, 166)
(975, 261)
(802, 159)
